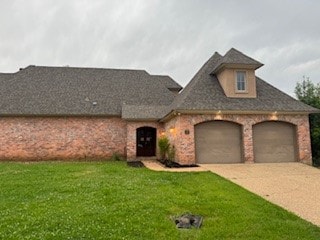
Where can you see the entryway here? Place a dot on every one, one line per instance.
(146, 141)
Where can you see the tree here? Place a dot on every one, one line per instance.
(309, 93)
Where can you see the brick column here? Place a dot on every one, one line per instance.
(131, 142)
(185, 147)
(303, 142)
(248, 154)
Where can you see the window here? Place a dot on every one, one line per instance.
(241, 81)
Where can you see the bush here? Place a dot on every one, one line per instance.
(164, 146)
(116, 157)
(171, 153)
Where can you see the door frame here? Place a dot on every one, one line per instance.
(241, 147)
(149, 145)
(295, 137)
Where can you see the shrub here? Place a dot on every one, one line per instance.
(116, 157)
(164, 146)
(171, 153)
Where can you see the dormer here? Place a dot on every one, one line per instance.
(236, 74)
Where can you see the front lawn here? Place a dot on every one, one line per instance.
(112, 201)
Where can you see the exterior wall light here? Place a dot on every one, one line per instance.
(274, 116)
(218, 115)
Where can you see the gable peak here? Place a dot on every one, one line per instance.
(235, 57)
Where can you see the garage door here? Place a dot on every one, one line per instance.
(218, 142)
(274, 142)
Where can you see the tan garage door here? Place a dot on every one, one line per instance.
(218, 142)
(274, 142)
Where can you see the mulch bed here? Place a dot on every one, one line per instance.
(136, 164)
(171, 164)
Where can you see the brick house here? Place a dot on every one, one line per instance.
(225, 114)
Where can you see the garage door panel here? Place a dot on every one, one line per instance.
(274, 142)
(218, 142)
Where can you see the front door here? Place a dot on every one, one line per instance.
(146, 142)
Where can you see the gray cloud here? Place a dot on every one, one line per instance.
(163, 36)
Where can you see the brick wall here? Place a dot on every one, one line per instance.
(185, 146)
(44, 138)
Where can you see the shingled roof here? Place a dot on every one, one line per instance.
(6, 76)
(80, 91)
(168, 82)
(233, 58)
(133, 94)
(141, 112)
(204, 92)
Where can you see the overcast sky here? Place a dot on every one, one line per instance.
(170, 37)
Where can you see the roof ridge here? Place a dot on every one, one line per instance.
(158, 75)
(7, 76)
(84, 68)
(239, 52)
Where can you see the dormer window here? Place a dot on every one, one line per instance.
(236, 74)
(241, 82)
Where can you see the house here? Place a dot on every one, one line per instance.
(224, 115)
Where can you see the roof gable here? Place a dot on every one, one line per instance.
(235, 58)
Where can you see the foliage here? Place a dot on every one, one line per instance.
(171, 153)
(108, 200)
(309, 93)
(164, 146)
(116, 157)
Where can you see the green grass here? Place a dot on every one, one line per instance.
(112, 201)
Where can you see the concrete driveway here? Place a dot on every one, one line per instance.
(293, 186)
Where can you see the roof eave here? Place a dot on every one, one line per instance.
(142, 119)
(235, 66)
(178, 112)
(59, 115)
